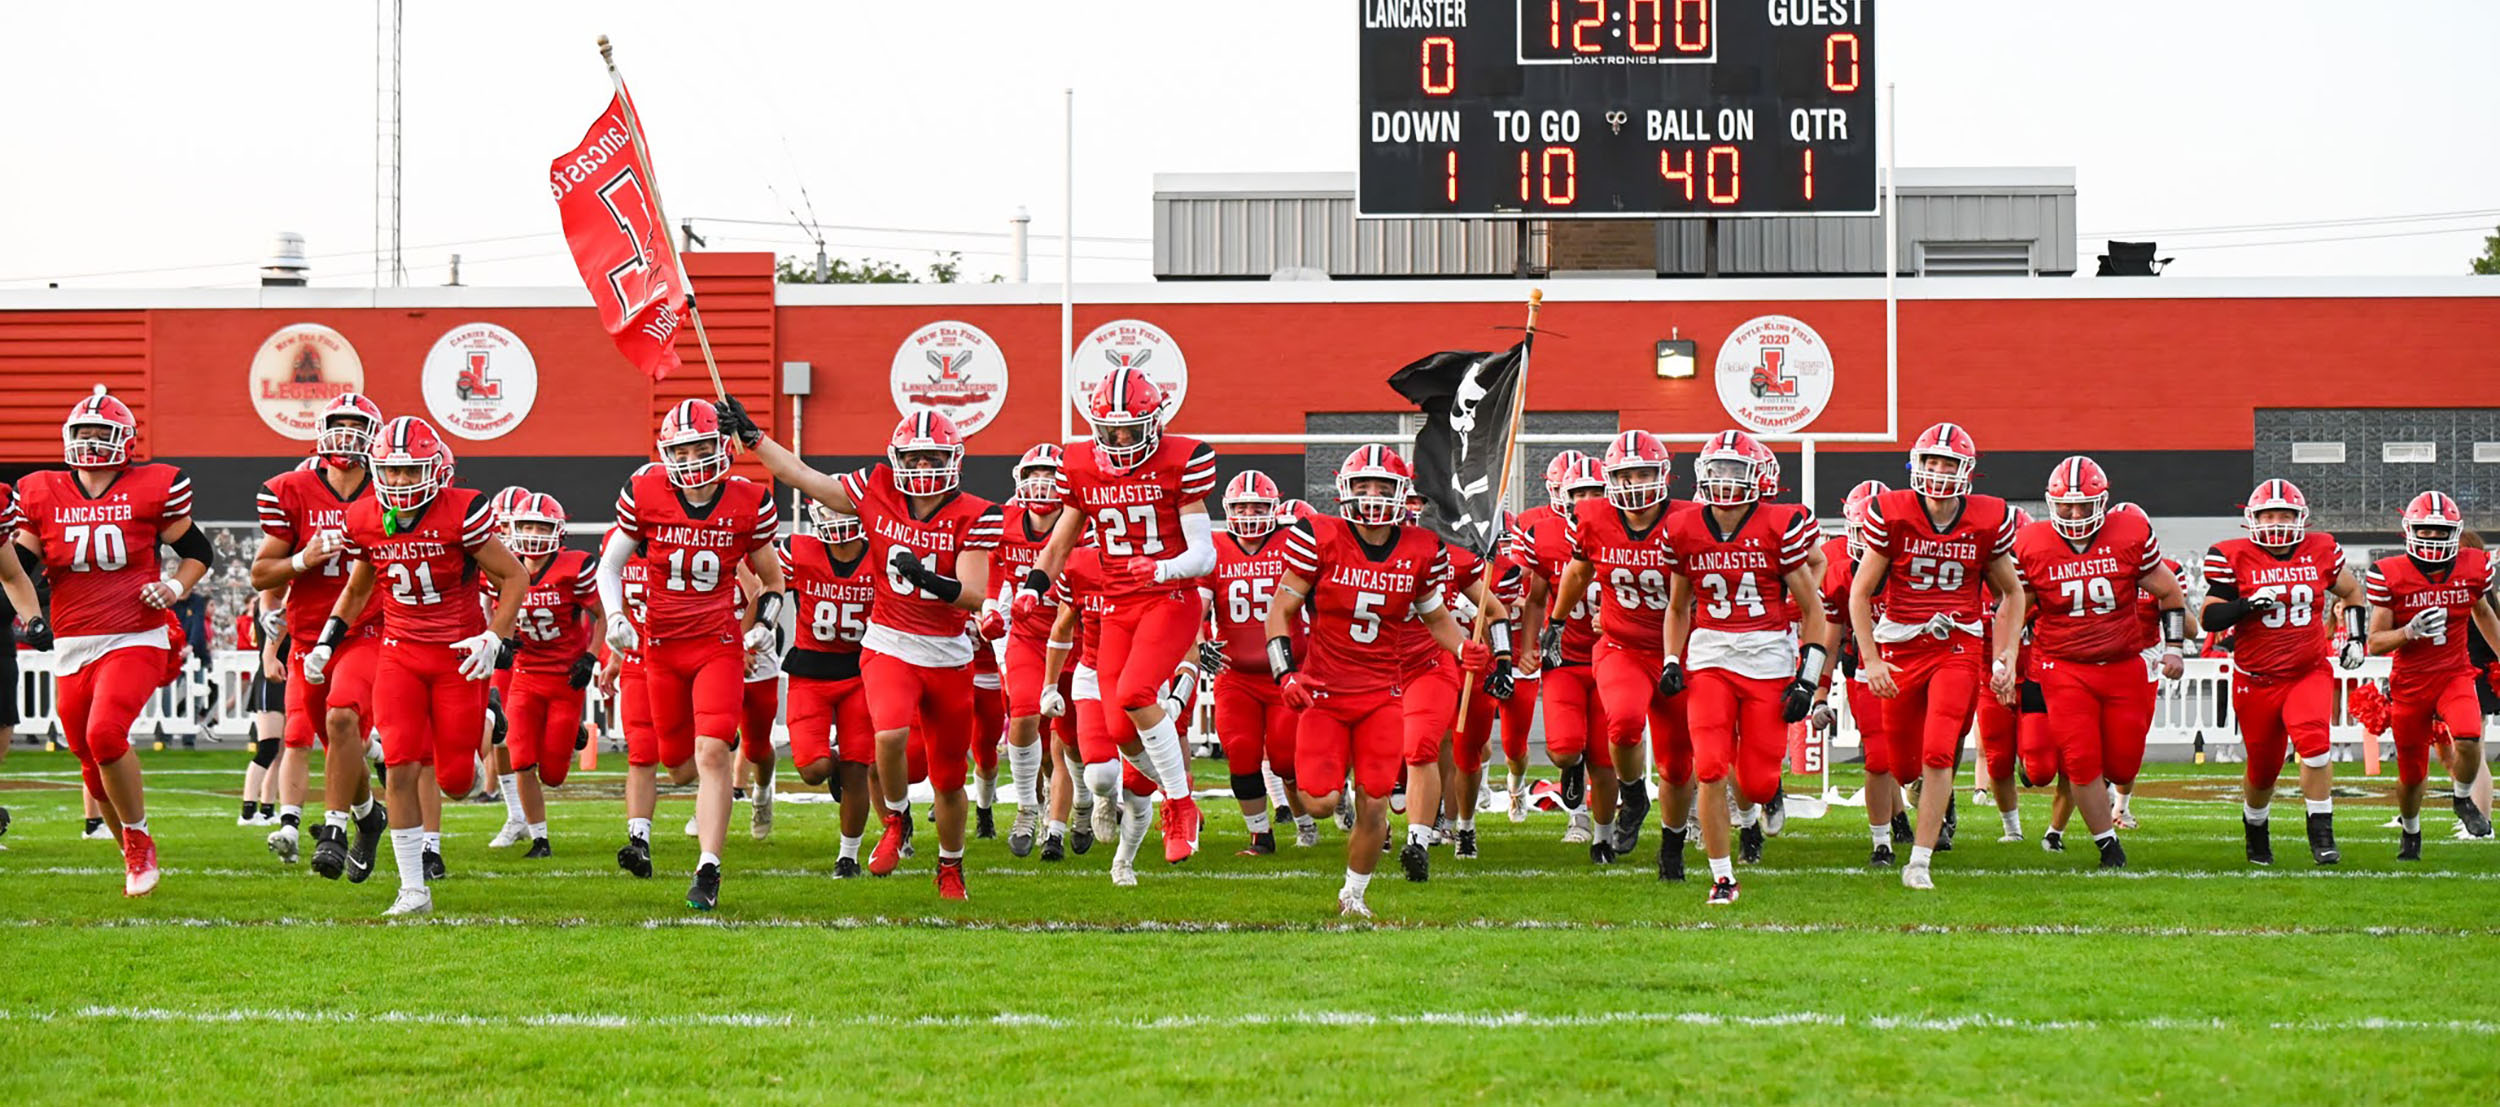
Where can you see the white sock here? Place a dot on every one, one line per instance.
(1102, 781)
(1024, 770)
(2105, 837)
(2412, 823)
(408, 847)
(2013, 820)
(1723, 868)
(1257, 822)
(1920, 854)
(1749, 815)
(433, 841)
(1058, 828)
(900, 807)
(1880, 834)
(985, 790)
(2320, 807)
(1133, 828)
(2257, 815)
(764, 789)
(141, 826)
(1171, 762)
(706, 858)
(639, 829)
(338, 819)
(1467, 822)
(294, 809)
(510, 783)
(361, 809)
(1355, 883)
(2463, 789)
(850, 848)
(537, 831)
(954, 855)
(1419, 834)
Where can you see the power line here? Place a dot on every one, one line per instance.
(2303, 225)
(2474, 229)
(909, 230)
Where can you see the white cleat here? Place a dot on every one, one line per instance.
(1915, 876)
(511, 834)
(99, 834)
(691, 832)
(1106, 821)
(2009, 836)
(1123, 874)
(760, 821)
(1519, 805)
(412, 901)
(1582, 831)
(1353, 908)
(284, 842)
(1305, 834)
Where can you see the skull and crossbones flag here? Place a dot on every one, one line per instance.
(1468, 400)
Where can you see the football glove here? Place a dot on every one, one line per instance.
(736, 423)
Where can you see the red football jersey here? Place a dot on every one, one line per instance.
(2087, 597)
(833, 596)
(962, 523)
(98, 551)
(1739, 575)
(425, 575)
(1080, 582)
(552, 627)
(1543, 538)
(1359, 595)
(2148, 611)
(694, 550)
(294, 506)
(1936, 570)
(1839, 572)
(2400, 586)
(2296, 636)
(1244, 584)
(1631, 570)
(1415, 642)
(8, 512)
(1138, 513)
(1022, 536)
(636, 577)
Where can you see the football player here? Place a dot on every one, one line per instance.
(826, 567)
(2420, 603)
(114, 641)
(1619, 549)
(1122, 795)
(1145, 491)
(1031, 516)
(693, 522)
(1735, 562)
(1930, 549)
(1516, 712)
(2085, 565)
(1519, 548)
(1360, 575)
(1429, 690)
(302, 513)
(1887, 822)
(932, 543)
(543, 707)
(1566, 641)
(434, 542)
(1252, 722)
(2008, 732)
(623, 681)
(759, 703)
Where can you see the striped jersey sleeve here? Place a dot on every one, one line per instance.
(1438, 576)
(627, 521)
(2337, 569)
(479, 524)
(1797, 542)
(273, 517)
(856, 483)
(1302, 549)
(2004, 541)
(9, 519)
(1874, 530)
(986, 530)
(2219, 571)
(178, 497)
(2152, 558)
(767, 523)
(1198, 476)
(2374, 588)
(781, 553)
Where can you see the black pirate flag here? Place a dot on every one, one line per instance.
(1468, 400)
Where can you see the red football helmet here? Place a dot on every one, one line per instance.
(1127, 402)
(506, 502)
(109, 449)
(1953, 445)
(1853, 514)
(1557, 472)
(1250, 504)
(1289, 512)
(1377, 509)
(693, 423)
(921, 434)
(2130, 507)
(834, 527)
(1631, 454)
(1037, 476)
(2022, 517)
(2078, 480)
(2271, 496)
(347, 424)
(1728, 470)
(2433, 523)
(410, 464)
(1767, 465)
(533, 527)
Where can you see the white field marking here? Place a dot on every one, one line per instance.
(1471, 1020)
(1768, 874)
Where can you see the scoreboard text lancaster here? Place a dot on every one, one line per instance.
(1616, 108)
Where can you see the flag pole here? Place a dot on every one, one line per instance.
(651, 183)
(1510, 452)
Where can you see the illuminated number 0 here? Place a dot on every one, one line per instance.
(1831, 63)
(96, 547)
(1446, 80)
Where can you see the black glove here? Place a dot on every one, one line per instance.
(1210, 658)
(906, 565)
(494, 714)
(504, 653)
(1498, 684)
(1671, 678)
(1549, 644)
(736, 423)
(1797, 701)
(584, 667)
(36, 633)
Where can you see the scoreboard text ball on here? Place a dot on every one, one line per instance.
(1617, 108)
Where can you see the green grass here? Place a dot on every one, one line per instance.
(1527, 975)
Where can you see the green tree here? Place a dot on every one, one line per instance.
(947, 269)
(2488, 265)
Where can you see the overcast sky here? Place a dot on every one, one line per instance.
(160, 145)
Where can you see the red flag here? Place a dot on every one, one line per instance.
(613, 225)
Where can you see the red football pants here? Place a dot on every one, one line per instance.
(1866, 712)
(99, 702)
(1939, 691)
(1021, 676)
(760, 705)
(697, 686)
(1735, 724)
(1365, 730)
(989, 727)
(633, 716)
(1428, 705)
(2414, 705)
(1253, 724)
(1627, 682)
(939, 701)
(347, 683)
(1140, 648)
(428, 713)
(2276, 713)
(543, 716)
(2099, 713)
(824, 711)
(1573, 712)
(1998, 748)
(1475, 730)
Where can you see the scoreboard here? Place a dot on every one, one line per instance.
(1616, 108)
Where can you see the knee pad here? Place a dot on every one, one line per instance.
(1103, 780)
(1249, 786)
(265, 751)
(2319, 762)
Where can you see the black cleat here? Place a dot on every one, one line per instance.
(1417, 861)
(538, 848)
(1952, 822)
(907, 830)
(330, 852)
(635, 858)
(1879, 858)
(433, 864)
(2260, 841)
(704, 893)
(2476, 824)
(1602, 850)
(1262, 843)
(2322, 839)
(845, 868)
(4, 821)
(2053, 841)
(368, 839)
(2113, 855)
(1722, 893)
(1901, 829)
(1467, 844)
(381, 778)
(1080, 837)
(1631, 810)
(1053, 847)
(2409, 847)
(984, 825)
(1749, 845)
(1670, 854)
(1575, 783)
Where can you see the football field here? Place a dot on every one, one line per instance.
(1526, 975)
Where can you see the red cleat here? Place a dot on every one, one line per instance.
(889, 851)
(139, 858)
(950, 880)
(1180, 829)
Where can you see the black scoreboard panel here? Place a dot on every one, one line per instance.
(1617, 108)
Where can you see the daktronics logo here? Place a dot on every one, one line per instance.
(296, 371)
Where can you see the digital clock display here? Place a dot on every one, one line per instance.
(1616, 108)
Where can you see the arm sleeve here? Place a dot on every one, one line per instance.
(1197, 558)
(618, 550)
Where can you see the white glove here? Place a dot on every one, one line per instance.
(2350, 656)
(1053, 704)
(2266, 599)
(1822, 720)
(477, 660)
(161, 594)
(621, 634)
(2430, 622)
(759, 638)
(316, 660)
(273, 623)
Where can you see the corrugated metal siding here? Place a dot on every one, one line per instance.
(736, 295)
(52, 359)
